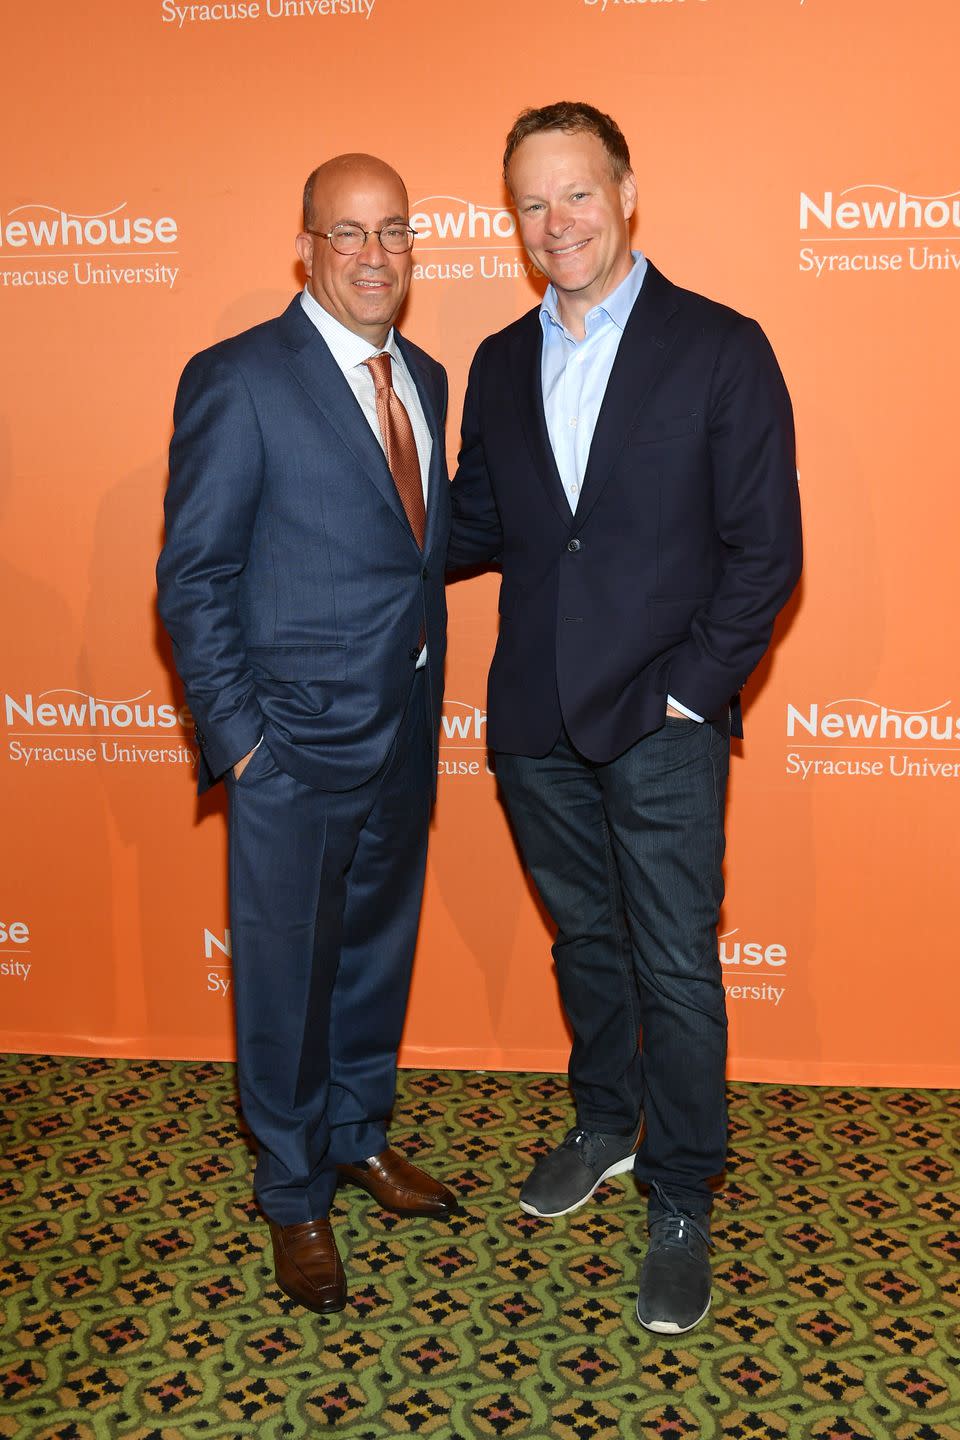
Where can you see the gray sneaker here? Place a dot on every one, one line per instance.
(675, 1277)
(566, 1178)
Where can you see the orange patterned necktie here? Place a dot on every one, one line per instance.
(397, 432)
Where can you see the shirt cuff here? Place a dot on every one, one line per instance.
(690, 714)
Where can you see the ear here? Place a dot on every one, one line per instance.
(628, 194)
(304, 245)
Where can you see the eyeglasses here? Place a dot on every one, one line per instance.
(350, 239)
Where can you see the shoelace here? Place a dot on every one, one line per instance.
(677, 1226)
(583, 1141)
(677, 1229)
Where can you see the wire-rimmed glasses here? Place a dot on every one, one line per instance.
(395, 238)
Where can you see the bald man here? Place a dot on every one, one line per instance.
(302, 585)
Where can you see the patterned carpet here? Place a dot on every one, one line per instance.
(136, 1299)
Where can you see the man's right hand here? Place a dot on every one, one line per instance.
(241, 765)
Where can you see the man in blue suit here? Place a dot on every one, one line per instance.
(302, 585)
(628, 456)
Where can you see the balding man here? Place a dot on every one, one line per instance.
(302, 584)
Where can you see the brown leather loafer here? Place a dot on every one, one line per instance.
(307, 1265)
(399, 1186)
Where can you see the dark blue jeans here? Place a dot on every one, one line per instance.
(627, 857)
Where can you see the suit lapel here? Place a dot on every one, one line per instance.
(318, 373)
(437, 477)
(525, 359)
(642, 354)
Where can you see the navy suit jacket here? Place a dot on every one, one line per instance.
(290, 581)
(685, 543)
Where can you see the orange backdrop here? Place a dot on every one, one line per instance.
(796, 159)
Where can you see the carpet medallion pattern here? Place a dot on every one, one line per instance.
(137, 1299)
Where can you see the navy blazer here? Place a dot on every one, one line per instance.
(685, 543)
(290, 581)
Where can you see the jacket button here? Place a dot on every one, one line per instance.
(573, 546)
(415, 653)
(425, 573)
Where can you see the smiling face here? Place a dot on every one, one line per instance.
(574, 216)
(364, 291)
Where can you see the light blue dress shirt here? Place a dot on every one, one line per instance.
(574, 375)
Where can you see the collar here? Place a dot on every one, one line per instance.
(616, 306)
(347, 348)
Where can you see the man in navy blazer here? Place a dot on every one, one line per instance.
(628, 458)
(302, 585)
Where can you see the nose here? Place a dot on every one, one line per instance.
(373, 253)
(557, 220)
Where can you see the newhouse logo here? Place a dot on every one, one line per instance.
(862, 739)
(53, 230)
(736, 951)
(14, 940)
(47, 246)
(74, 710)
(463, 739)
(217, 953)
(752, 969)
(870, 721)
(71, 727)
(463, 723)
(451, 219)
(483, 238)
(877, 209)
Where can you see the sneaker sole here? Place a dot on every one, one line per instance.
(620, 1168)
(669, 1327)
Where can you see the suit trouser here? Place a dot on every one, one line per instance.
(627, 857)
(325, 892)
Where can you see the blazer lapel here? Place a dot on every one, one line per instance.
(643, 352)
(321, 377)
(525, 360)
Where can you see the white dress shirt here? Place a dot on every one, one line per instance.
(350, 351)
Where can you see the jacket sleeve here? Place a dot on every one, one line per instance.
(216, 469)
(756, 515)
(476, 535)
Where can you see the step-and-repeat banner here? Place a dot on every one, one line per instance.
(796, 159)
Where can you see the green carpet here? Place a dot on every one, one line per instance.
(136, 1299)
